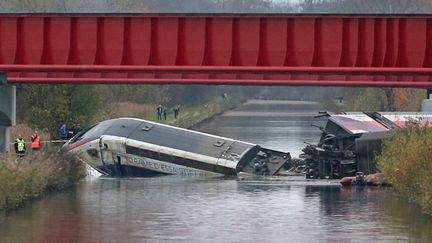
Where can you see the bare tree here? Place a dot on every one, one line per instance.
(244, 6)
(367, 6)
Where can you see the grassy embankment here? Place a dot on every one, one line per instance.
(406, 162)
(30, 177)
(190, 116)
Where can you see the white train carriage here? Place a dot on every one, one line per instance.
(134, 147)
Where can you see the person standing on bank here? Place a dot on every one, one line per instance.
(35, 145)
(20, 147)
(159, 112)
(63, 132)
(164, 112)
(176, 111)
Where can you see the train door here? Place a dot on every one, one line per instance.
(111, 160)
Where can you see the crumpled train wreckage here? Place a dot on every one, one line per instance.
(349, 142)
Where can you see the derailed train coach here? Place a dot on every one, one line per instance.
(129, 147)
(349, 142)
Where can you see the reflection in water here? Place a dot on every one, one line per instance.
(407, 217)
(231, 210)
(170, 208)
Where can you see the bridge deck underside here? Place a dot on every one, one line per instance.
(218, 49)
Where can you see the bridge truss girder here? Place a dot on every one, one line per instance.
(341, 50)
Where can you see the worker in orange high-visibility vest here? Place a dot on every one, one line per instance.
(35, 142)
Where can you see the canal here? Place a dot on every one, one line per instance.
(175, 209)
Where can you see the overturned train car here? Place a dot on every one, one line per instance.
(350, 142)
(129, 147)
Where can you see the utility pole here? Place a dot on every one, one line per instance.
(7, 111)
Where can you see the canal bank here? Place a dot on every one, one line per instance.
(409, 169)
(24, 179)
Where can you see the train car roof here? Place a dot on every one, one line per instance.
(174, 137)
(357, 122)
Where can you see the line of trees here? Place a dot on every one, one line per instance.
(382, 99)
(366, 6)
(217, 6)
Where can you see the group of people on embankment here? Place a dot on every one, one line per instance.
(65, 133)
(68, 132)
(20, 144)
(161, 112)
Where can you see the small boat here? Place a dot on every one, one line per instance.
(358, 180)
(130, 147)
(347, 181)
(376, 179)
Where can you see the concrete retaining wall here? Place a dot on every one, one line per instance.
(7, 111)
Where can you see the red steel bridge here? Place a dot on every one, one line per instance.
(303, 50)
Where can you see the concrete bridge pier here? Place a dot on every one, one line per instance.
(427, 103)
(7, 111)
(4, 139)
